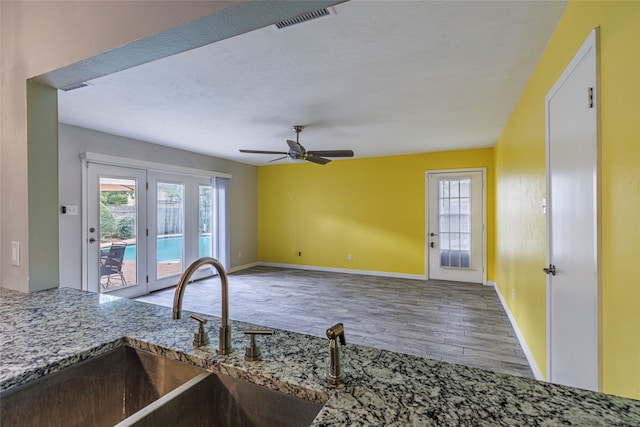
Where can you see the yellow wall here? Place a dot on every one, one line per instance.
(520, 187)
(371, 208)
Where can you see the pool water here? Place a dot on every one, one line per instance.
(170, 249)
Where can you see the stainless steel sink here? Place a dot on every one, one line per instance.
(130, 387)
(101, 391)
(221, 400)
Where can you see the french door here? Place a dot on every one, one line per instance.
(455, 226)
(181, 207)
(144, 228)
(116, 229)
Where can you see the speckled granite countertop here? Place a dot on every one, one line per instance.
(45, 331)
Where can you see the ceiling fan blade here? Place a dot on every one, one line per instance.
(263, 152)
(332, 153)
(279, 158)
(295, 146)
(316, 159)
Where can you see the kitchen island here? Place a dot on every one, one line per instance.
(43, 332)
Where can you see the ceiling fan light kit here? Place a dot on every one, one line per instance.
(298, 152)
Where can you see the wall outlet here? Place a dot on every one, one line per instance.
(299, 253)
(349, 257)
(513, 295)
(239, 254)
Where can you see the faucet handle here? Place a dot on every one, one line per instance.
(337, 332)
(252, 351)
(201, 337)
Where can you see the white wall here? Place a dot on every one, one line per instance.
(40, 38)
(73, 141)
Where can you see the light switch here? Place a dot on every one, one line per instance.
(69, 210)
(15, 254)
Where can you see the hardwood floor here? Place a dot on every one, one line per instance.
(456, 322)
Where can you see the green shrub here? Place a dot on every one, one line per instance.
(107, 222)
(126, 227)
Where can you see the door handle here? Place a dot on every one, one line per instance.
(550, 270)
(432, 234)
(92, 240)
(432, 244)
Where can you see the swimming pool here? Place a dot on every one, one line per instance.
(170, 249)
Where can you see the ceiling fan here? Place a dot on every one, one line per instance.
(297, 151)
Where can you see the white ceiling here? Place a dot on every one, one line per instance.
(380, 78)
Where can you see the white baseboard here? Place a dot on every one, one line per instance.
(243, 267)
(344, 270)
(537, 373)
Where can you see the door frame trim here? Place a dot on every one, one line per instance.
(106, 159)
(592, 42)
(85, 222)
(483, 171)
(84, 235)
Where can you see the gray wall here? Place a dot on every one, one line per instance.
(74, 140)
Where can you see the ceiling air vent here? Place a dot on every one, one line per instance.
(303, 17)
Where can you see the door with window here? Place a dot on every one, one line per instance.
(181, 207)
(455, 226)
(116, 229)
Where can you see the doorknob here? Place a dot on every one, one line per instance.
(92, 240)
(432, 234)
(550, 270)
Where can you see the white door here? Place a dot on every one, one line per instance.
(116, 230)
(181, 207)
(572, 179)
(455, 225)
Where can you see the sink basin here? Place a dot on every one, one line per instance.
(220, 400)
(101, 391)
(129, 387)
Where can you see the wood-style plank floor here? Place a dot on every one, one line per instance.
(456, 322)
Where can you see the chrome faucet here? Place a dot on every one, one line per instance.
(225, 330)
(335, 376)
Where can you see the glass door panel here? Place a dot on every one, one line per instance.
(205, 228)
(205, 221)
(455, 232)
(118, 233)
(170, 229)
